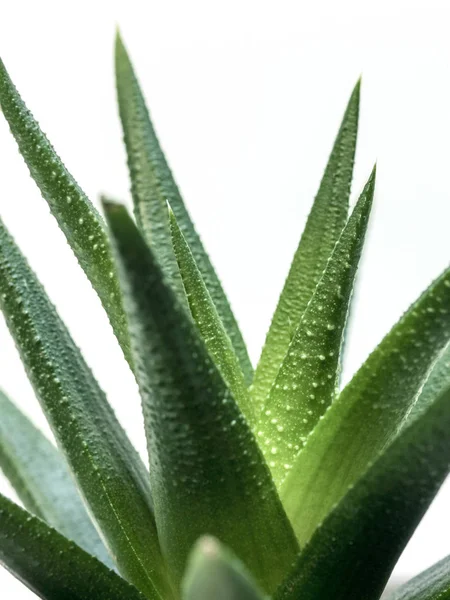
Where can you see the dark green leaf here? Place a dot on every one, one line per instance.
(152, 187)
(41, 478)
(50, 565)
(307, 380)
(108, 471)
(369, 412)
(209, 324)
(207, 472)
(354, 551)
(432, 584)
(214, 573)
(324, 225)
(77, 218)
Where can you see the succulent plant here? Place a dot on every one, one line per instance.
(268, 483)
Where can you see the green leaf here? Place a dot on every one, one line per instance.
(354, 551)
(76, 216)
(153, 186)
(42, 481)
(369, 412)
(109, 472)
(208, 321)
(438, 380)
(432, 584)
(207, 473)
(215, 573)
(307, 380)
(50, 565)
(324, 225)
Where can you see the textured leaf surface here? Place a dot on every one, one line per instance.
(207, 473)
(438, 380)
(432, 584)
(50, 565)
(354, 551)
(215, 573)
(307, 380)
(369, 412)
(152, 187)
(41, 478)
(324, 225)
(109, 473)
(76, 216)
(209, 324)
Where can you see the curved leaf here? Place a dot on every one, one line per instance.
(50, 565)
(42, 481)
(215, 573)
(208, 321)
(432, 584)
(369, 412)
(207, 472)
(307, 380)
(354, 551)
(152, 186)
(109, 472)
(324, 225)
(76, 216)
(437, 381)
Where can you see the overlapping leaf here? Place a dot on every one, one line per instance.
(109, 473)
(207, 473)
(438, 380)
(41, 479)
(432, 584)
(324, 225)
(215, 573)
(369, 412)
(152, 187)
(50, 565)
(354, 551)
(306, 382)
(208, 321)
(77, 218)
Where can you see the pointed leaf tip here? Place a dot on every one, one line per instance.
(196, 433)
(209, 323)
(77, 218)
(214, 572)
(370, 411)
(323, 228)
(307, 380)
(111, 475)
(152, 185)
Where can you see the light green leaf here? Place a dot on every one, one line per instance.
(432, 584)
(324, 225)
(153, 186)
(76, 216)
(109, 473)
(207, 473)
(50, 565)
(438, 380)
(41, 479)
(214, 573)
(208, 321)
(306, 382)
(354, 551)
(369, 412)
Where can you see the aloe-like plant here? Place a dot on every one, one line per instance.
(273, 483)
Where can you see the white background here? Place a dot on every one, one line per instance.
(247, 97)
